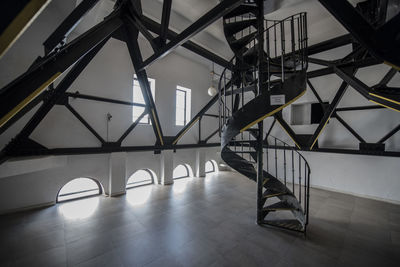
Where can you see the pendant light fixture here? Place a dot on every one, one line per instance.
(211, 90)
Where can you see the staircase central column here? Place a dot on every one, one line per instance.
(260, 40)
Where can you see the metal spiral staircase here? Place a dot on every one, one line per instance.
(269, 73)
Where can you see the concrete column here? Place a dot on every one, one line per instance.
(167, 167)
(117, 176)
(200, 162)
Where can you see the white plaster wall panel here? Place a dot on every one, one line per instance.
(142, 160)
(41, 187)
(60, 128)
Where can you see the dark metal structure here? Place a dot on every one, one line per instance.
(270, 64)
(275, 69)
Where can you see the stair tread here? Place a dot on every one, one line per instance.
(289, 224)
(241, 10)
(281, 205)
(273, 193)
(235, 27)
(240, 43)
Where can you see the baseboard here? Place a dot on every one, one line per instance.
(32, 207)
(356, 194)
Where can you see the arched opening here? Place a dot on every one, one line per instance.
(211, 166)
(140, 178)
(182, 171)
(79, 188)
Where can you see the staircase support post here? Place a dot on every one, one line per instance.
(260, 170)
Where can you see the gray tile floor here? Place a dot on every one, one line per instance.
(199, 222)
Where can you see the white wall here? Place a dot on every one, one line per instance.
(36, 181)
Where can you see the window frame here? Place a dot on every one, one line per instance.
(146, 117)
(187, 108)
(100, 188)
(131, 185)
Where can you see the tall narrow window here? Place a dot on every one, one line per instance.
(138, 99)
(183, 105)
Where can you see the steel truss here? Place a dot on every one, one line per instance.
(346, 68)
(125, 23)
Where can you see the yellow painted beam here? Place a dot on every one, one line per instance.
(272, 112)
(392, 65)
(27, 100)
(187, 129)
(20, 23)
(320, 132)
(384, 105)
(157, 126)
(385, 98)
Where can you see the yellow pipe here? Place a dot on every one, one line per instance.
(26, 101)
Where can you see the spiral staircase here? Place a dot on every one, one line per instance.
(269, 74)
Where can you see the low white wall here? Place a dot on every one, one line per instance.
(361, 175)
(28, 183)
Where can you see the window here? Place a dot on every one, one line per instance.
(183, 105)
(210, 166)
(138, 99)
(182, 171)
(141, 177)
(79, 188)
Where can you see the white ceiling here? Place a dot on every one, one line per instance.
(321, 24)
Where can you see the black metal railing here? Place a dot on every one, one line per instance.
(290, 167)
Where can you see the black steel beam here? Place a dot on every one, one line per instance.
(278, 117)
(387, 78)
(23, 111)
(58, 93)
(351, 130)
(105, 149)
(359, 108)
(390, 134)
(68, 25)
(166, 12)
(197, 116)
(15, 18)
(85, 123)
(195, 48)
(381, 42)
(328, 113)
(143, 30)
(319, 61)
(210, 17)
(270, 129)
(211, 135)
(133, 125)
(341, 151)
(102, 99)
(330, 44)
(136, 58)
(357, 64)
(29, 85)
(315, 92)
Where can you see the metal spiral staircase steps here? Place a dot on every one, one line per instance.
(284, 75)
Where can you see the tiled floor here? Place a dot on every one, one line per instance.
(199, 222)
